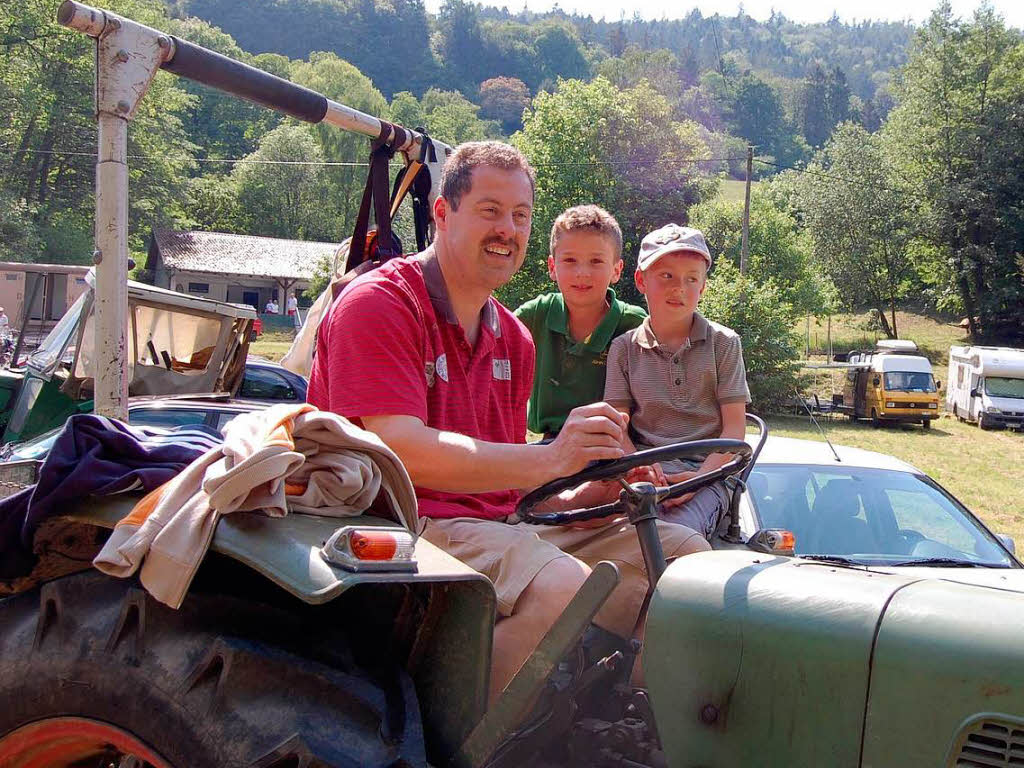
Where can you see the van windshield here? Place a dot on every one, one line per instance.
(909, 381)
(1001, 386)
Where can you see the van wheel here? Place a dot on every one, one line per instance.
(956, 414)
(926, 424)
(984, 422)
(94, 672)
(875, 421)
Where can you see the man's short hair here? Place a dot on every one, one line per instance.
(587, 218)
(456, 178)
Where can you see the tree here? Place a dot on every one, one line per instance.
(46, 81)
(221, 125)
(779, 252)
(595, 143)
(759, 313)
(454, 118)
(757, 114)
(447, 115)
(19, 240)
(280, 189)
(861, 220)
(343, 183)
(461, 43)
(815, 121)
(958, 136)
(504, 99)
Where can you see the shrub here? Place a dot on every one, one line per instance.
(765, 322)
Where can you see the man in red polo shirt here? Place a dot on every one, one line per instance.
(421, 353)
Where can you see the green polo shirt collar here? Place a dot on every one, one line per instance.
(558, 322)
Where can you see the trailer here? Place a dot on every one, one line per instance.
(986, 386)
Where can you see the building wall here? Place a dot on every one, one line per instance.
(237, 290)
(61, 286)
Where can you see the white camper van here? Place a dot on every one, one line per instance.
(986, 385)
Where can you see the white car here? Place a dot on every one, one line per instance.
(869, 510)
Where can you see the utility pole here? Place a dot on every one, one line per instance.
(745, 244)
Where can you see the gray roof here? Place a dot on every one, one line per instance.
(223, 253)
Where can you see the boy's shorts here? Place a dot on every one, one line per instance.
(512, 555)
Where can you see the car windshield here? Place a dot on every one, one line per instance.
(871, 516)
(1001, 386)
(53, 347)
(909, 381)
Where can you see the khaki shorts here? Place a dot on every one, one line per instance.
(512, 555)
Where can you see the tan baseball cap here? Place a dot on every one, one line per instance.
(672, 238)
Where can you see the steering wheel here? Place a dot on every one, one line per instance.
(632, 496)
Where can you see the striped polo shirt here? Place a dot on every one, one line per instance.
(674, 395)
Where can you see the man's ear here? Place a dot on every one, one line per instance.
(441, 213)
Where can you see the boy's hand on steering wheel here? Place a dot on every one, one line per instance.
(651, 474)
(678, 477)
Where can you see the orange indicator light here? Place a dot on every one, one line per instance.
(373, 545)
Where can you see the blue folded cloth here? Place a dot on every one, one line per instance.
(94, 456)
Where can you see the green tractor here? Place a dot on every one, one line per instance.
(305, 644)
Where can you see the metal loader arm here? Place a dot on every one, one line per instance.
(128, 55)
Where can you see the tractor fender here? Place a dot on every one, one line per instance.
(453, 647)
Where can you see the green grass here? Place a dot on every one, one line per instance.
(734, 191)
(272, 344)
(984, 470)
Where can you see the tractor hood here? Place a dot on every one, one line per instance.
(999, 578)
(760, 660)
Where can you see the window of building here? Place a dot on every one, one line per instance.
(198, 287)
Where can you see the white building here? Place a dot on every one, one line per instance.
(242, 269)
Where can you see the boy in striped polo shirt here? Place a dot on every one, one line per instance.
(573, 326)
(679, 376)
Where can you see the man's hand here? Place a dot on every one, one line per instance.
(592, 432)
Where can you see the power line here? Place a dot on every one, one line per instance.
(255, 161)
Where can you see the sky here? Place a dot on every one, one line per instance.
(797, 10)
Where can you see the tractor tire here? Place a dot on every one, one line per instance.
(93, 671)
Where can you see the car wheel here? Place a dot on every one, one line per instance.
(95, 672)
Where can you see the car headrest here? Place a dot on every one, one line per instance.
(837, 499)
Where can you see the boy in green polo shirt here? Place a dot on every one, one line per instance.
(573, 327)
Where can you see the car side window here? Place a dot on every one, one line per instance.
(223, 419)
(171, 417)
(260, 384)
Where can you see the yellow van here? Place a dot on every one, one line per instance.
(893, 382)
